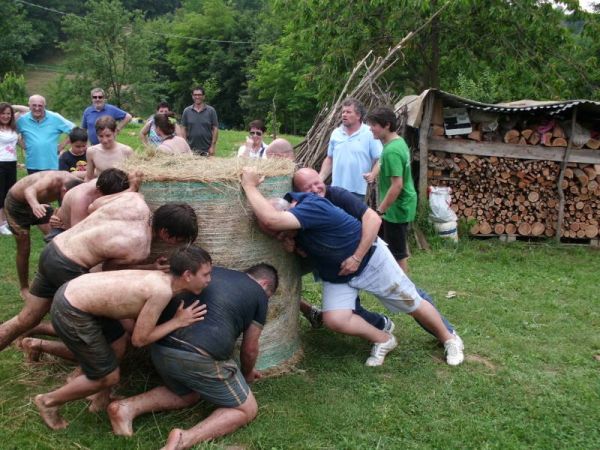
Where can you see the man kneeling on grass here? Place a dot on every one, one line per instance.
(196, 362)
(86, 313)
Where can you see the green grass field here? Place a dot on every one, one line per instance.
(529, 316)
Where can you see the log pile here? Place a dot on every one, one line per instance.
(550, 134)
(519, 197)
(546, 132)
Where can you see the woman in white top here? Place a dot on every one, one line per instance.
(254, 146)
(171, 143)
(8, 158)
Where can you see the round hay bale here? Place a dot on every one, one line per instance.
(227, 230)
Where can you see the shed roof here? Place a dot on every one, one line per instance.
(414, 105)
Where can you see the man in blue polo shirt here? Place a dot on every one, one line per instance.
(353, 152)
(40, 129)
(330, 236)
(100, 108)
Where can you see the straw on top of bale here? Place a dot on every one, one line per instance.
(157, 166)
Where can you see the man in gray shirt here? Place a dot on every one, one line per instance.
(200, 125)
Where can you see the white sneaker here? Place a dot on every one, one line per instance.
(4, 230)
(389, 325)
(454, 350)
(379, 350)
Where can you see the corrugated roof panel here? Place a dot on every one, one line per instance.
(522, 105)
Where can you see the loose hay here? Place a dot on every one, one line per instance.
(227, 229)
(158, 166)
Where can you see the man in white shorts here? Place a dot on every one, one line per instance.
(329, 236)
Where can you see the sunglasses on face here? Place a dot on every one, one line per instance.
(97, 97)
(256, 133)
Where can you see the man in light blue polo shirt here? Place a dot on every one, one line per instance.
(353, 152)
(40, 129)
(100, 108)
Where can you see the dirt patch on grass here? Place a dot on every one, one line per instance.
(481, 360)
(472, 358)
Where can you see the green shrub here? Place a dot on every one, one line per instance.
(12, 89)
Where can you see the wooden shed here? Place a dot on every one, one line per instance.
(528, 168)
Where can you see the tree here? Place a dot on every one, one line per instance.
(524, 49)
(46, 21)
(151, 9)
(213, 53)
(18, 37)
(111, 47)
(12, 89)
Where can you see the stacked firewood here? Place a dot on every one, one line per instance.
(514, 196)
(549, 133)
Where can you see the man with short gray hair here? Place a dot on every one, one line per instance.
(100, 108)
(40, 129)
(353, 153)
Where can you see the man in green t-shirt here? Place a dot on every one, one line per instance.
(398, 198)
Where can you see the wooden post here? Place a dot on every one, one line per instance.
(561, 177)
(423, 147)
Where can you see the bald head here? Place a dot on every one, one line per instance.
(308, 180)
(37, 106)
(280, 148)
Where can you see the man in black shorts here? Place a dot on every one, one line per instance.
(28, 203)
(398, 197)
(196, 362)
(119, 232)
(84, 307)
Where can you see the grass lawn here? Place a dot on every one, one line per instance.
(529, 316)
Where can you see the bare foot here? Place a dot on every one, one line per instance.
(175, 440)
(121, 418)
(50, 414)
(32, 348)
(99, 401)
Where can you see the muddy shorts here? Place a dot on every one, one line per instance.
(219, 382)
(20, 217)
(87, 336)
(54, 270)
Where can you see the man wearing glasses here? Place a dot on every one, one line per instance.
(200, 125)
(100, 108)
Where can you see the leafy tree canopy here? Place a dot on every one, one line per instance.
(208, 57)
(18, 37)
(110, 47)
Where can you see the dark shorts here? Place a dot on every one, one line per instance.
(87, 336)
(8, 177)
(20, 217)
(54, 270)
(219, 382)
(53, 233)
(395, 235)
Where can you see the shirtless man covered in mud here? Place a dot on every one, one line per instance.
(117, 233)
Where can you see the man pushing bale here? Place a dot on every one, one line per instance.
(86, 313)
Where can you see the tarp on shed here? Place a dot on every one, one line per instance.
(415, 103)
